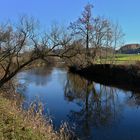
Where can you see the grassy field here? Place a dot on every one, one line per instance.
(121, 59)
(127, 57)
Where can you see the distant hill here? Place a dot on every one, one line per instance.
(130, 49)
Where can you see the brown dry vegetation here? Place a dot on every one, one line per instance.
(26, 125)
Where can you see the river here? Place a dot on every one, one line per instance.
(94, 111)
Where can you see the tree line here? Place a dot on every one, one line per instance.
(24, 42)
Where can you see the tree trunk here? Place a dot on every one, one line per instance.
(9, 77)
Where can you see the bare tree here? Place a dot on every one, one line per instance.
(117, 40)
(99, 35)
(83, 27)
(106, 36)
(77, 50)
(22, 44)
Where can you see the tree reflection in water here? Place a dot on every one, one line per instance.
(133, 99)
(38, 76)
(100, 105)
(96, 110)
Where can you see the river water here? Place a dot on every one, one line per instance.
(94, 111)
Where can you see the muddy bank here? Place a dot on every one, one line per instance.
(123, 76)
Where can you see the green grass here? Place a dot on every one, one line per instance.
(127, 57)
(121, 59)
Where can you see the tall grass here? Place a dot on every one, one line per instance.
(16, 124)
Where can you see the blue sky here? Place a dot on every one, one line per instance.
(125, 12)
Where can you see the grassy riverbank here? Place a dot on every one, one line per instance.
(16, 124)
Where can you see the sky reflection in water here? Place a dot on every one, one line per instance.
(97, 111)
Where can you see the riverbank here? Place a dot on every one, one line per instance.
(25, 125)
(123, 76)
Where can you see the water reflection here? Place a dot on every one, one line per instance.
(99, 105)
(134, 100)
(96, 111)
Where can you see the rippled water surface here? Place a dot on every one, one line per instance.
(95, 111)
